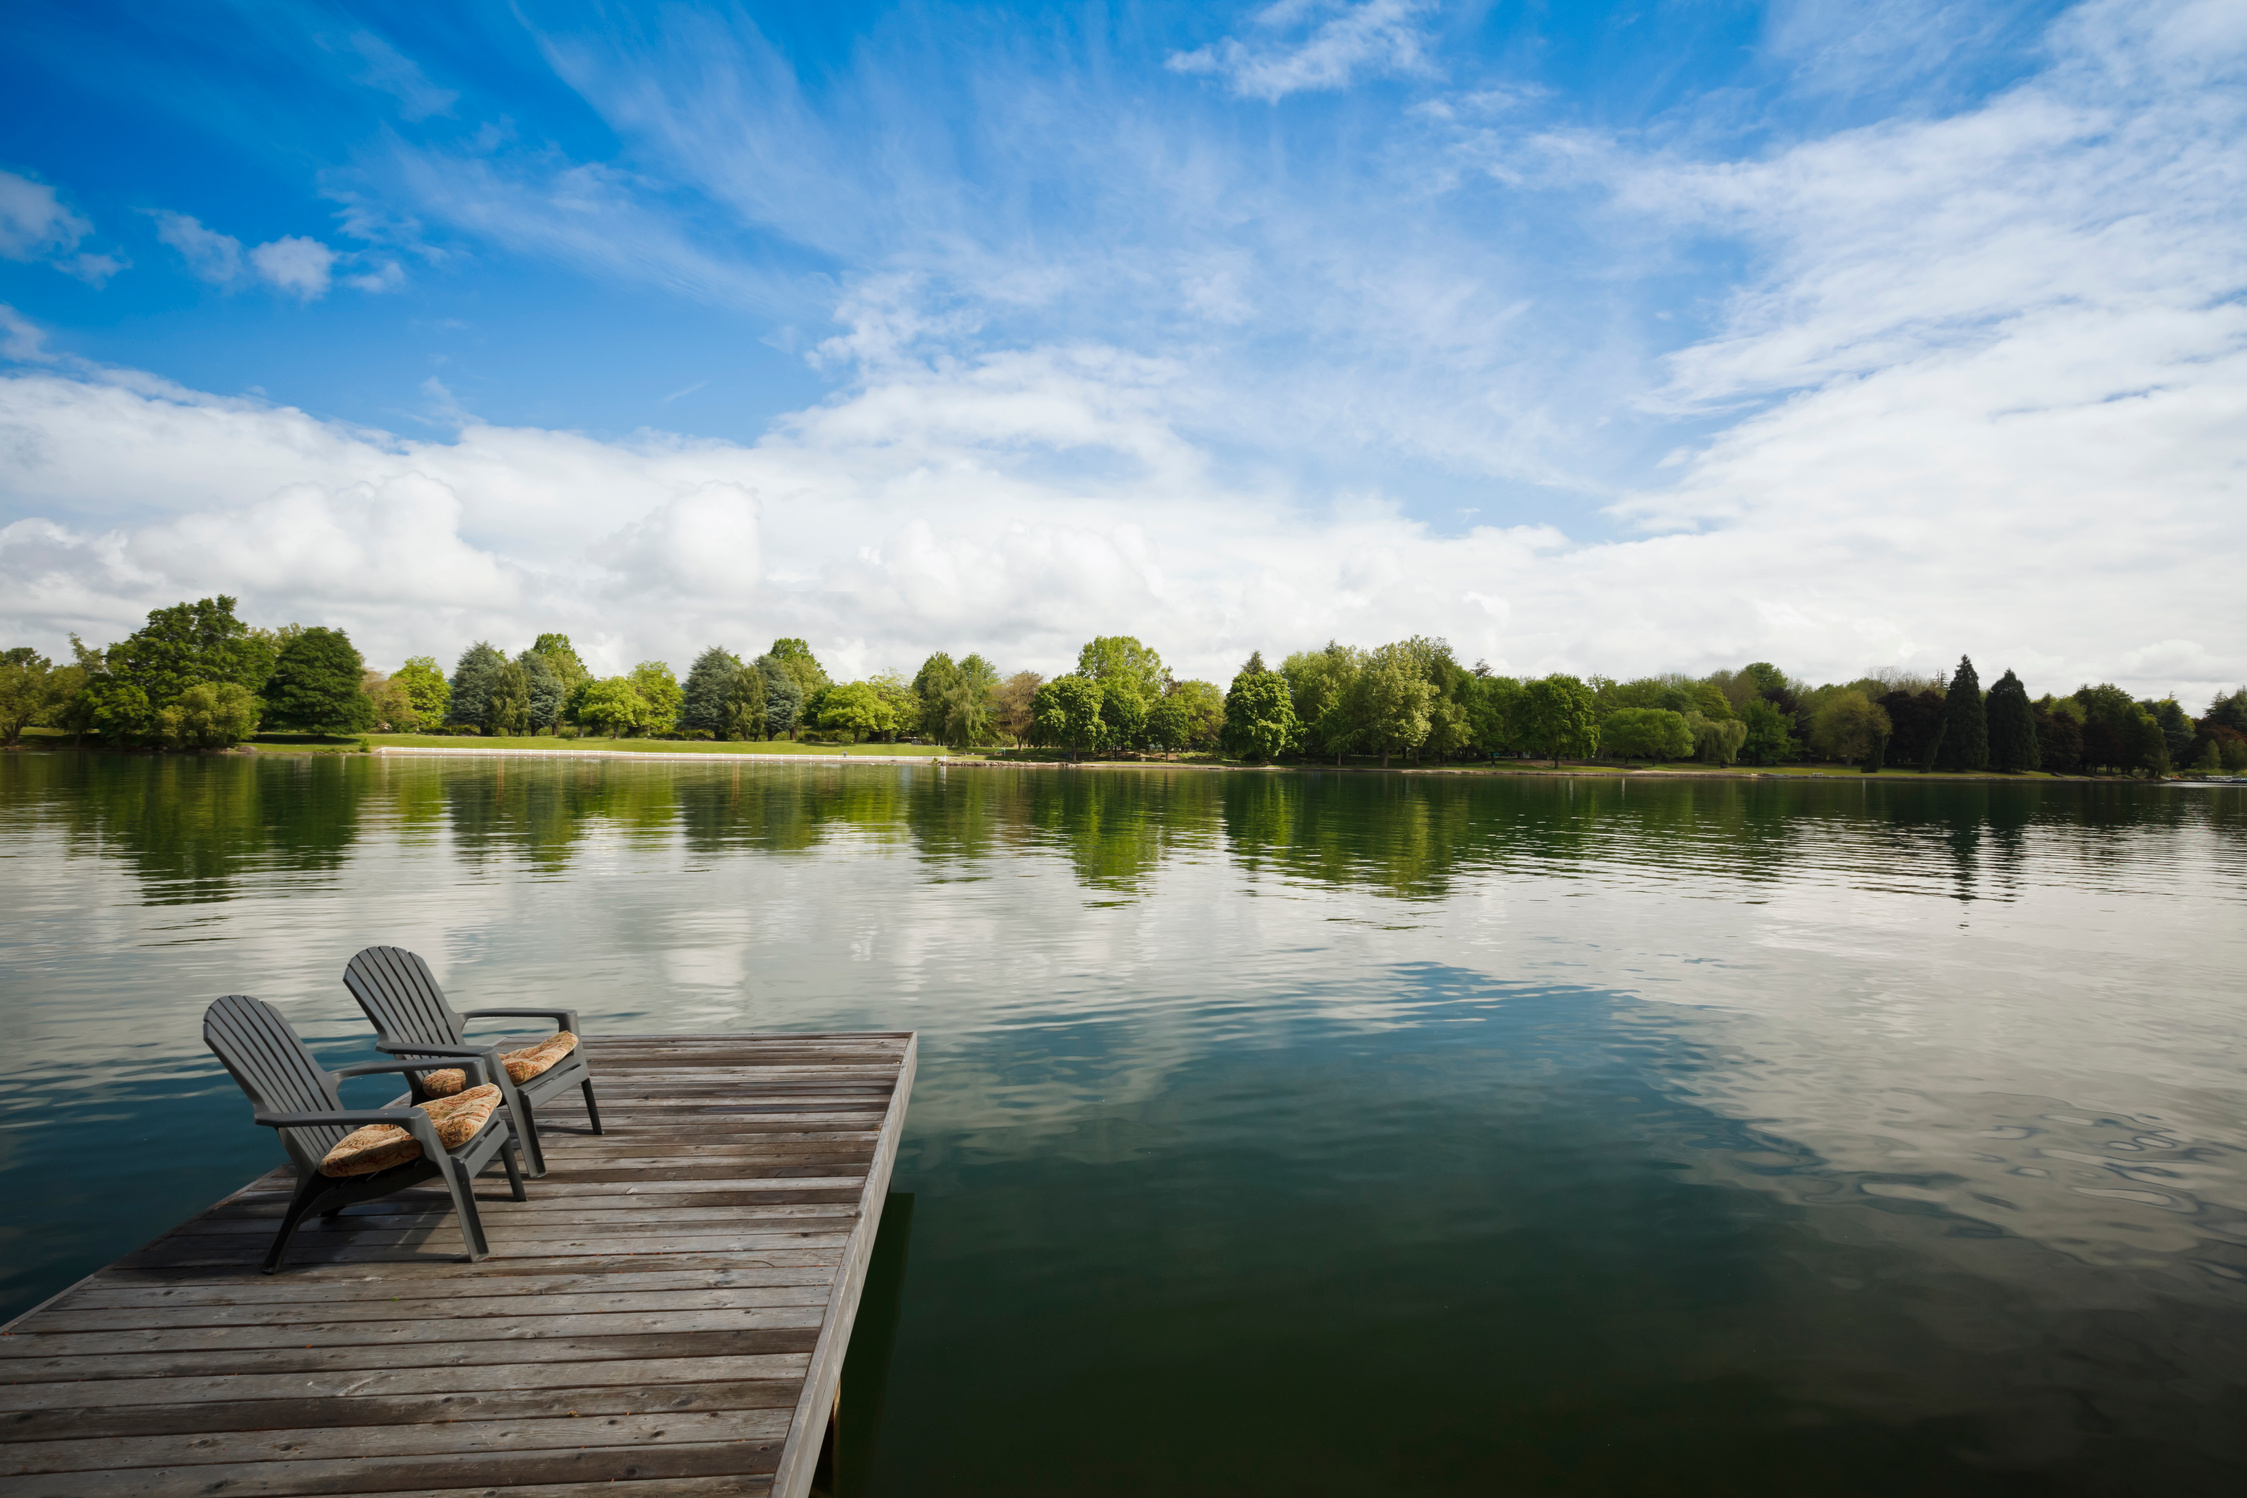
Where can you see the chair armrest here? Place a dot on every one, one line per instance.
(400, 1048)
(564, 1018)
(412, 1120)
(474, 1063)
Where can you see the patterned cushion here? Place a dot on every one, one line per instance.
(459, 1119)
(444, 1083)
(522, 1065)
(535, 1060)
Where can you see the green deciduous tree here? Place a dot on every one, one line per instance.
(507, 711)
(1388, 703)
(1845, 724)
(937, 676)
(1646, 733)
(1260, 721)
(186, 645)
(745, 716)
(856, 708)
(561, 657)
(1557, 717)
(1016, 705)
(1317, 683)
(1966, 732)
(1191, 715)
(659, 689)
(796, 658)
(1123, 714)
(612, 705)
(2012, 726)
(28, 690)
(965, 712)
(316, 685)
(393, 705)
(1770, 733)
(1716, 741)
(425, 684)
(1122, 659)
(1493, 713)
(209, 715)
(1067, 713)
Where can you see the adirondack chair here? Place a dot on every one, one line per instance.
(292, 1093)
(411, 1018)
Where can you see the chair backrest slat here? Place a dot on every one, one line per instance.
(400, 996)
(262, 1053)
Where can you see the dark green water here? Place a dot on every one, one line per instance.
(1301, 1134)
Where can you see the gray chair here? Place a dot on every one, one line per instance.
(292, 1093)
(401, 998)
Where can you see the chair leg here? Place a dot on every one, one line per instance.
(300, 1205)
(526, 1129)
(592, 1109)
(514, 1175)
(464, 1202)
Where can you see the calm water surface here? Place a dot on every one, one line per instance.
(1298, 1133)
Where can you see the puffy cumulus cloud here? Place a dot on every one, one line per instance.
(296, 264)
(917, 514)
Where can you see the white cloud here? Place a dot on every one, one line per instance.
(296, 264)
(1377, 38)
(210, 255)
(401, 77)
(36, 225)
(22, 340)
(1981, 389)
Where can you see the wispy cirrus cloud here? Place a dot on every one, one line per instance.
(1310, 45)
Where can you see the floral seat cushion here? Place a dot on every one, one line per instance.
(459, 1118)
(522, 1064)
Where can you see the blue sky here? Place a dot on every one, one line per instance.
(1623, 338)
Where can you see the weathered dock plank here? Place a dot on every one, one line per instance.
(667, 1315)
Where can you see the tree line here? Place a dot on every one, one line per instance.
(196, 676)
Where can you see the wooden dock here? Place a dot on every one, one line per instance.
(667, 1314)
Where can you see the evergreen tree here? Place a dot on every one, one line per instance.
(784, 698)
(548, 689)
(2012, 726)
(474, 676)
(315, 687)
(1965, 743)
(707, 698)
(1877, 755)
(2176, 727)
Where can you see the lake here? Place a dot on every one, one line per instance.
(1304, 1133)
